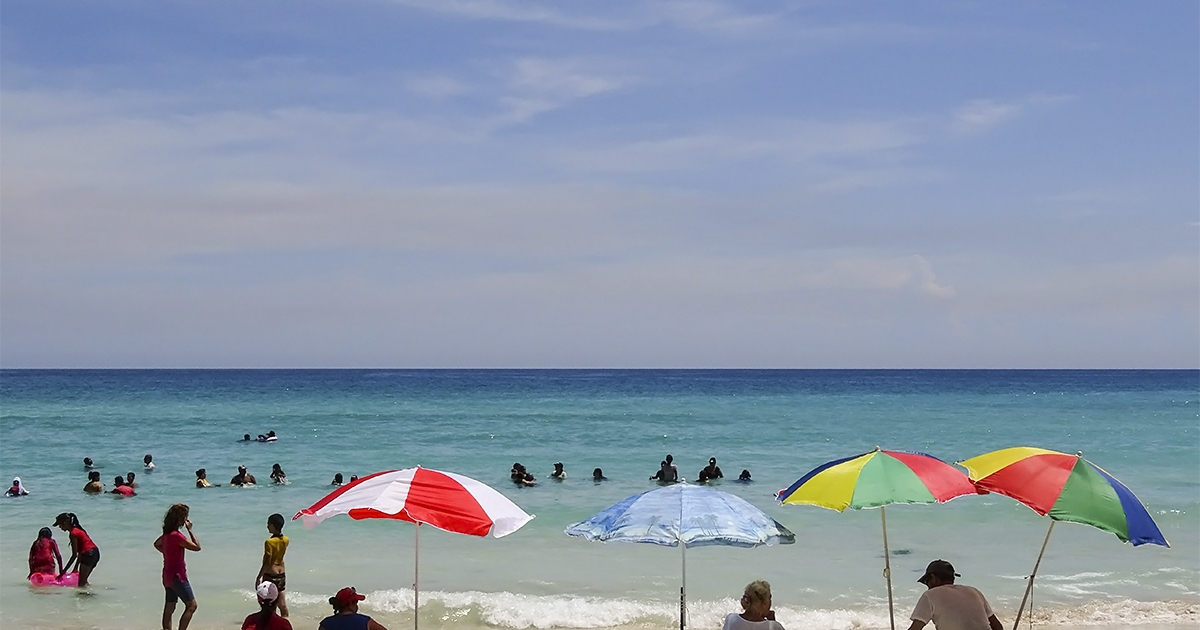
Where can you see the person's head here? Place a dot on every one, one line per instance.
(246, 437)
(16, 482)
(148, 458)
(558, 466)
(276, 469)
(712, 461)
(275, 524)
(175, 517)
(664, 464)
(118, 480)
(346, 600)
(242, 469)
(938, 572)
(353, 478)
(129, 477)
(337, 477)
(201, 473)
(669, 458)
(268, 602)
(87, 461)
(756, 598)
(597, 474)
(67, 521)
(45, 533)
(745, 474)
(94, 476)
(270, 434)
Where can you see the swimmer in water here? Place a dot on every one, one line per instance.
(87, 463)
(664, 473)
(353, 478)
(598, 475)
(242, 478)
(148, 461)
(202, 480)
(94, 485)
(558, 473)
(129, 480)
(337, 479)
(17, 489)
(745, 477)
(121, 488)
(246, 438)
(278, 476)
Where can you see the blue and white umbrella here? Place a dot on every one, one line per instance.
(684, 516)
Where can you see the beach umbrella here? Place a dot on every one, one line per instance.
(684, 516)
(874, 480)
(1067, 488)
(447, 501)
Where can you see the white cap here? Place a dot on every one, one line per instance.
(268, 592)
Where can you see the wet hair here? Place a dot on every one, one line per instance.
(669, 458)
(148, 458)
(597, 473)
(94, 475)
(129, 477)
(276, 520)
(87, 461)
(70, 518)
(119, 480)
(756, 591)
(246, 436)
(337, 477)
(337, 604)
(175, 517)
(45, 533)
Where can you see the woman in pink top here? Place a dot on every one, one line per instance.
(172, 544)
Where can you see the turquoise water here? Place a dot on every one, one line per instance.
(1141, 426)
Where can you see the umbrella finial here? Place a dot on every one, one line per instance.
(1078, 453)
(877, 449)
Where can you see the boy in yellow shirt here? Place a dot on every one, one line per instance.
(272, 565)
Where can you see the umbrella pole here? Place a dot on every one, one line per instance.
(683, 589)
(887, 569)
(416, 573)
(1029, 586)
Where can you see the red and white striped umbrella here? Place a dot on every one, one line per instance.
(447, 501)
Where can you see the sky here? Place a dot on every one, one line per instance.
(486, 183)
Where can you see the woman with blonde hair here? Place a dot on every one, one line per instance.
(756, 610)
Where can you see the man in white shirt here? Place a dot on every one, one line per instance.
(951, 606)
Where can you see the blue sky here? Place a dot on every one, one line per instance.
(483, 183)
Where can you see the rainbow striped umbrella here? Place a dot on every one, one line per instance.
(1068, 488)
(877, 479)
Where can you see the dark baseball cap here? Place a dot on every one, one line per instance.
(940, 568)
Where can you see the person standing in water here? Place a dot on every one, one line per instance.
(273, 570)
(148, 460)
(172, 545)
(558, 473)
(44, 553)
(83, 550)
(94, 485)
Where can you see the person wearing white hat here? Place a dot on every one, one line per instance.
(266, 618)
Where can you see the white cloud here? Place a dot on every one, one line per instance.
(982, 115)
(437, 87)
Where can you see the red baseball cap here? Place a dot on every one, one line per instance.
(348, 596)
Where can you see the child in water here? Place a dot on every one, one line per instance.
(44, 553)
(279, 477)
(202, 479)
(272, 569)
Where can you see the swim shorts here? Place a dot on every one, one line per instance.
(180, 590)
(90, 558)
(278, 579)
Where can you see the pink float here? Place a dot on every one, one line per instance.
(51, 579)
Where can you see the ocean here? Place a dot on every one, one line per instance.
(1141, 426)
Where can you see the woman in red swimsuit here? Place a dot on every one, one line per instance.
(82, 547)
